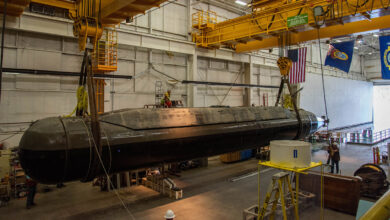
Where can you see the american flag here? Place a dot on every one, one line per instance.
(298, 68)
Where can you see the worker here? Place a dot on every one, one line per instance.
(166, 100)
(328, 159)
(168, 93)
(169, 215)
(334, 156)
(31, 190)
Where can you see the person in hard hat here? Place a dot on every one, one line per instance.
(334, 156)
(329, 151)
(169, 215)
(31, 189)
(166, 100)
(168, 93)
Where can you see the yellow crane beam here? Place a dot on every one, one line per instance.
(112, 11)
(90, 16)
(115, 11)
(326, 32)
(14, 7)
(111, 7)
(270, 18)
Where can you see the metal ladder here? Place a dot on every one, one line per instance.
(276, 192)
(158, 92)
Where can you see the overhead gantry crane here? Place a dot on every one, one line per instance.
(280, 23)
(270, 19)
(107, 12)
(93, 20)
(94, 26)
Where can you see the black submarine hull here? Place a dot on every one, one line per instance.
(60, 149)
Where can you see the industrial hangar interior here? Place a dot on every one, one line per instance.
(194, 109)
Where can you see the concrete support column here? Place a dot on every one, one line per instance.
(150, 56)
(248, 78)
(192, 74)
(150, 22)
(189, 19)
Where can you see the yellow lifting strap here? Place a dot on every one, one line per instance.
(82, 100)
(288, 102)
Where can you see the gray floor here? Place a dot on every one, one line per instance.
(208, 194)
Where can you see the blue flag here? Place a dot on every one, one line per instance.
(340, 55)
(385, 56)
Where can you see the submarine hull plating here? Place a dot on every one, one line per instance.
(59, 149)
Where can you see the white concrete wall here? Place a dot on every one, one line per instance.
(161, 38)
(214, 70)
(381, 107)
(26, 98)
(265, 75)
(170, 20)
(349, 102)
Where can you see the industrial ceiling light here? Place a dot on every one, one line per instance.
(356, 48)
(240, 3)
(375, 35)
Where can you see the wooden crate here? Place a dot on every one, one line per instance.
(231, 157)
(341, 193)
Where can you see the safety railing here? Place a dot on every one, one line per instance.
(368, 137)
(204, 19)
(105, 56)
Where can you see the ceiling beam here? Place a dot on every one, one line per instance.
(326, 32)
(115, 6)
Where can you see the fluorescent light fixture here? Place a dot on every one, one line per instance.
(338, 41)
(240, 3)
(370, 53)
(376, 35)
(356, 48)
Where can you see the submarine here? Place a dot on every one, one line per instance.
(61, 149)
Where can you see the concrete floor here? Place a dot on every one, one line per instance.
(208, 194)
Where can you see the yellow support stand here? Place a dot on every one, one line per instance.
(279, 183)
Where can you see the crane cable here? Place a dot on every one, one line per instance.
(322, 75)
(323, 80)
(326, 113)
(105, 170)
